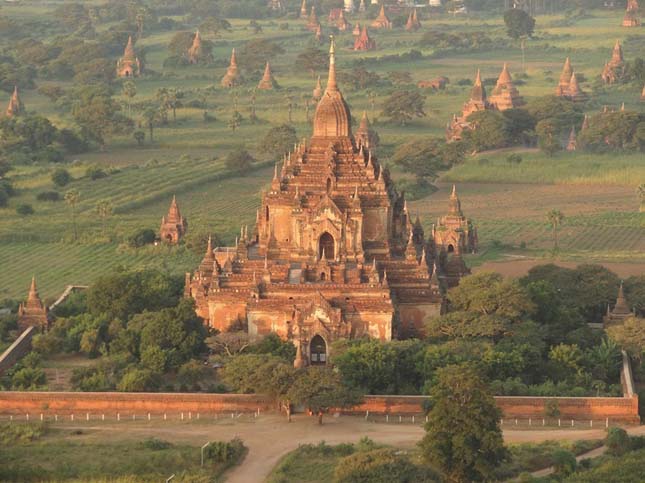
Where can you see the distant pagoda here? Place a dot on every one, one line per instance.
(267, 82)
(614, 70)
(413, 23)
(32, 313)
(15, 106)
(128, 65)
(317, 92)
(196, 53)
(620, 311)
(312, 22)
(364, 41)
(232, 77)
(505, 95)
(303, 9)
(341, 22)
(572, 143)
(365, 135)
(382, 21)
(631, 18)
(477, 102)
(173, 225)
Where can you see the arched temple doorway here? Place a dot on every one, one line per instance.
(318, 351)
(326, 246)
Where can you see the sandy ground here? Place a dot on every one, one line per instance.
(270, 437)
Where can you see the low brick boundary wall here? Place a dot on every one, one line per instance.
(12, 402)
(617, 409)
(623, 409)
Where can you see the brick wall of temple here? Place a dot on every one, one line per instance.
(617, 409)
(17, 350)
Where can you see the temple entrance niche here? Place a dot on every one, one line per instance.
(318, 351)
(326, 246)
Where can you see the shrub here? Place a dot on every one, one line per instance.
(24, 209)
(61, 177)
(617, 441)
(48, 196)
(155, 444)
(94, 173)
(12, 433)
(223, 451)
(564, 463)
(377, 466)
(139, 380)
(142, 237)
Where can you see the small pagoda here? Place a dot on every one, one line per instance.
(620, 312)
(341, 22)
(365, 135)
(572, 143)
(505, 95)
(32, 313)
(129, 65)
(317, 92)
(614, 70)
(631, 18)
(267, 82)
(477, 102)
(173, 225)
(356, 31)
(303, 9)
(454, 233)
(196, 53)
(364, 41)
(232, 77)
(312, 22)
(413, 24)
(382, 21)
(15, 106)
(565, 78)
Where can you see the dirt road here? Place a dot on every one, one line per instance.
(270, 437)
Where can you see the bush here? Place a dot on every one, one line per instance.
(48, 196)
(223, 452)
(61, 177)
(139, 380)
(617, 441)
(564, 463)
(94, 173)
(12, 433)
(25, 209)
(377, 466)
(155, 444)
(142, 237)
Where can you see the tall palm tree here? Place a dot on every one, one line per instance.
(72, 197)
(104, 210)
(555, 218)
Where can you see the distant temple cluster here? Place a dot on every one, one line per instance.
(615, 69)
(335, 252)
(631, 18)
(504, 96)
(568, 86)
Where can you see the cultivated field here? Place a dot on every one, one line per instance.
(508, 203)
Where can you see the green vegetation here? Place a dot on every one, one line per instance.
(350, 463)
(168, 131)
(31, 452)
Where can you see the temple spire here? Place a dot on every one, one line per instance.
(331, 80)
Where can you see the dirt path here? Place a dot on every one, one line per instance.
(270, 437)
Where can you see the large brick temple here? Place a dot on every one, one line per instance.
(335, 252)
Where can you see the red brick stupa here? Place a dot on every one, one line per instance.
(32, 313)
(173, 225)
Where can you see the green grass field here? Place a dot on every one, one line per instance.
(508, 203)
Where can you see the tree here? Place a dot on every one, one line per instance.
(229, 343)
(463, 439)
(490, 130)
(98, 115)
(312, 60)
(555, 218)
(72, 197)
(564, 463)
(403, 106)
(139, 380)
(279, 140)
(235, 121)
(519, 25)
(630, 335)
(104, 210)
(239, 161)
(319, 388)
(255, 53)
(61, 177)
(425, 157)
(139, 136)
(640, 191)
(548, 137)
(129, 90)
(151, 115)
